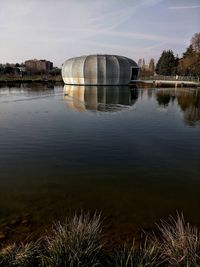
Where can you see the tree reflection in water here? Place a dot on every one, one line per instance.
(188, 100)
(163, 99)
(116, 98)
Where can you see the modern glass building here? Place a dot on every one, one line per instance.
(99, 70)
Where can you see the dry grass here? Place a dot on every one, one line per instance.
(78, 243)
(75, 243)
(179, 243)
(146, 255)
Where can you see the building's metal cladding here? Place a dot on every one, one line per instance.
(99, 70)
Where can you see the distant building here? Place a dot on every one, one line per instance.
(35, 65)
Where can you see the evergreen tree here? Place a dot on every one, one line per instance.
(167, 63)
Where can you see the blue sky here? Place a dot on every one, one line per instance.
(57, 30)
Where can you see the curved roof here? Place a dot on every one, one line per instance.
(98, 70)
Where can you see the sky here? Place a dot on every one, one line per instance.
(60, 29)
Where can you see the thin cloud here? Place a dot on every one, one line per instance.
(183, 7)
(134, 35)
(128, 27)
(123, 47)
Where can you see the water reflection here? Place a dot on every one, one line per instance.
(136, 166)
(187, 99)
(190, 105)
(34, 86)
(99, 98)
(19, 91)
(164, 99)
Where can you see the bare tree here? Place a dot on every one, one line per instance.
(195, 42)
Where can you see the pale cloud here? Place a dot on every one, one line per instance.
(142, 36)
(56, 30)
(128, 49)
(183, 7)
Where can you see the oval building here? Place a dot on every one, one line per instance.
(99, 70)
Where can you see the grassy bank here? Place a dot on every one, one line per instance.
(79, 241)
(31, 78)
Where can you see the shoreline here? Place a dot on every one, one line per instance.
(31, 79)
(165, 83)
(58, 79)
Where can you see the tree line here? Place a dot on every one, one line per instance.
(20, 69)
(169, 65)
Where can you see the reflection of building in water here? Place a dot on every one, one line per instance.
(29, 89)
(101, 98)
(38, 86)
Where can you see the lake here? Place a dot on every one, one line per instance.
(133, 154)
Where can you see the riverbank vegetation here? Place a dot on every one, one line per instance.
(172, 65)
(4, 78)
(19, 73)
(79, 241)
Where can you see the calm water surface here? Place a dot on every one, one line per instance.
(133, 154)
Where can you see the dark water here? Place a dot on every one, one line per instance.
(133, 154)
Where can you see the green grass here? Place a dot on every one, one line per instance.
(78, 243)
